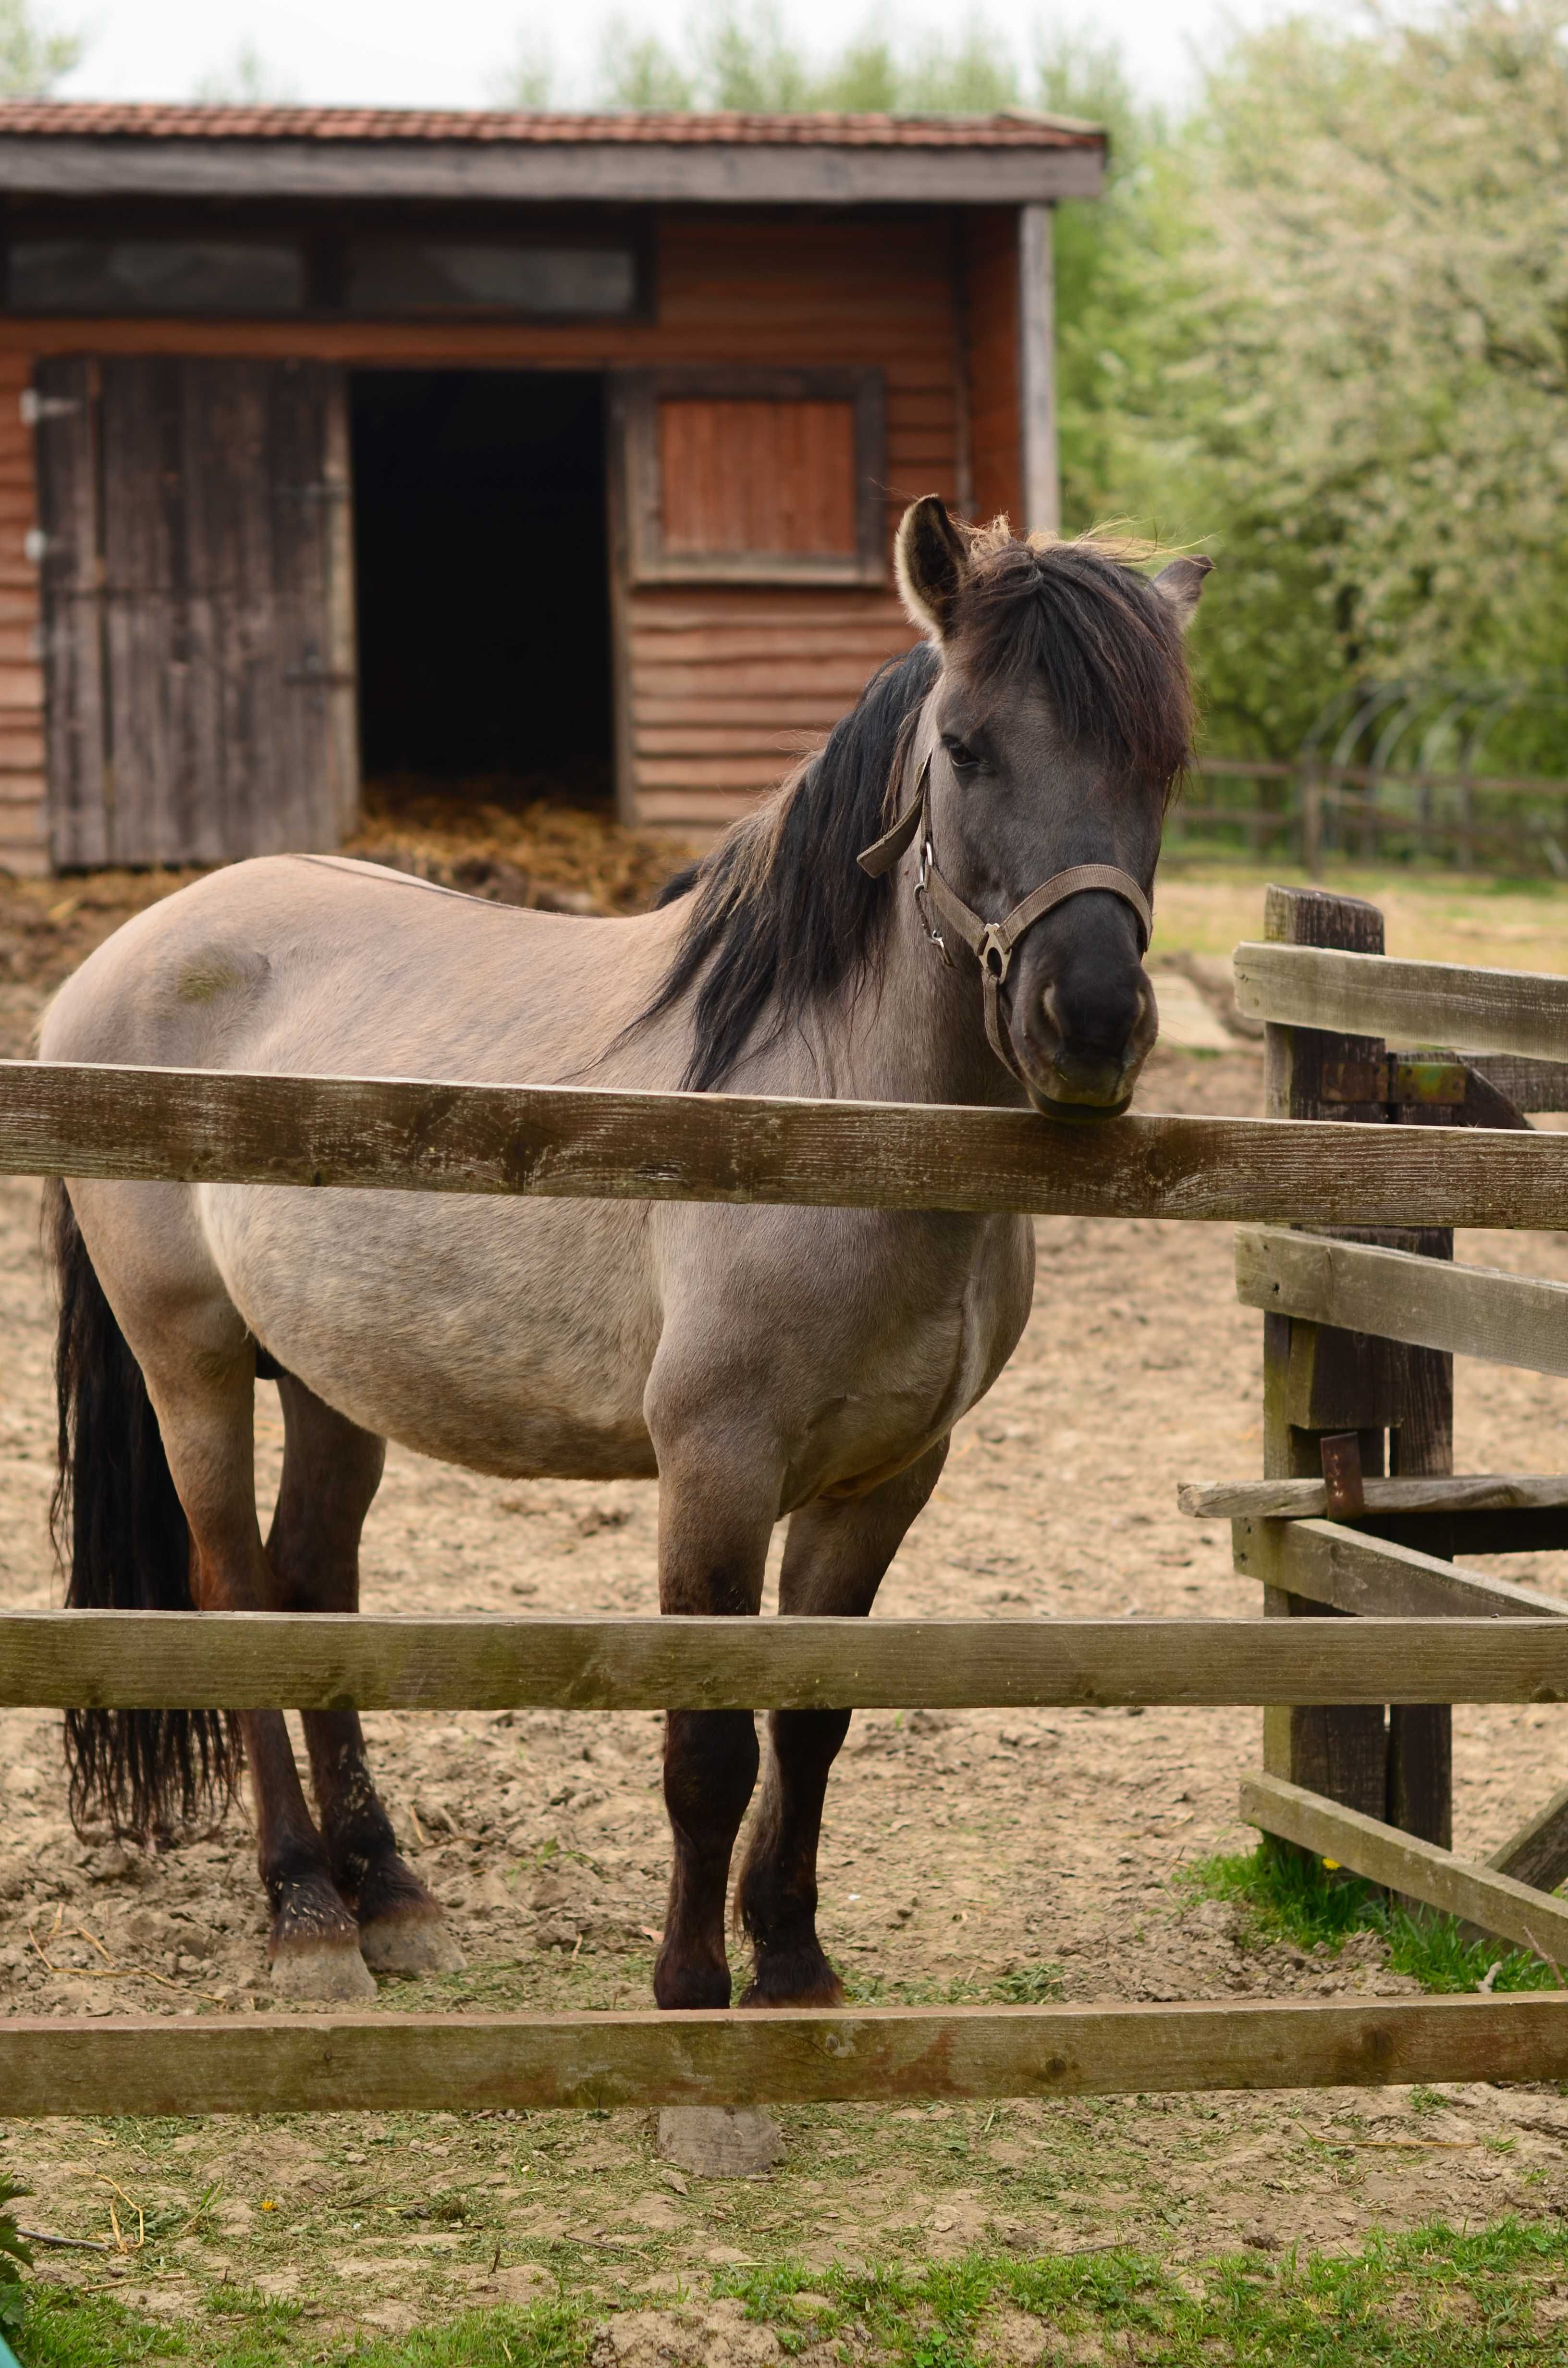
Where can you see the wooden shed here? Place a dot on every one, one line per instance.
(336, 444)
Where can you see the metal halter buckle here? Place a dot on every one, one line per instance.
(923, 900)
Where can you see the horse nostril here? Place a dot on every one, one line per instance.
(1048, 1003)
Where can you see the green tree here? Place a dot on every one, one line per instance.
(1353, 370)
(32, 56)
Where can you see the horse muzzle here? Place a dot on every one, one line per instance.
(1084, 1092)
(1085, 1081)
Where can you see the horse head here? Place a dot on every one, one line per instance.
(1035, 785)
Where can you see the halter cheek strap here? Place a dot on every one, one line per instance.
(991, 943)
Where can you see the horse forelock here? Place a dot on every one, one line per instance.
(1082, 621)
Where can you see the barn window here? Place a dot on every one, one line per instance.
(110, 275)
(400, 276)
(755, 476)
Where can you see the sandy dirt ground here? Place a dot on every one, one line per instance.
(966, 1856)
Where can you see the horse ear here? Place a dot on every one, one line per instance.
(931, 564)
(1182, 585)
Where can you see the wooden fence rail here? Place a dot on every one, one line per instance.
(248, 1660)
(1324, 988)
(1469, 1311)
(410, 2062)
(390, 1134)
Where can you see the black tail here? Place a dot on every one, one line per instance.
(119, 1530)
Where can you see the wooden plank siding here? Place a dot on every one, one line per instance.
(992, 334)
(723, 686)
(24, 823)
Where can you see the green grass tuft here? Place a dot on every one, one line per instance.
(1431, 2298)
(1295, 1898)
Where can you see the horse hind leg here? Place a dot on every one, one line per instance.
(331, 1471)
(834, 1559)
(206, 1414)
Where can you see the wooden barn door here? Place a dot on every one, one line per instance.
(198, 598)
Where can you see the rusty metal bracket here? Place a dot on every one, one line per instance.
(1437, 1082)
(1343, 1484)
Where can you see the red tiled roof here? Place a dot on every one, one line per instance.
(110, 119)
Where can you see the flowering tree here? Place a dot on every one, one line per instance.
(1352, 367)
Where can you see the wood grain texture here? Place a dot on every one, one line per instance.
(195, 607)
(1528, 1084)
(1302, 1500)
(1507, 1319)
(1315, 1379)
(1419, 1870)
(717, 174)
(988, 246)
(306, 1661)
(1331, 1563)
(1421, 1003)
(1036, 367)
(408, 1135)
(1536, 1851)
(410, 2062)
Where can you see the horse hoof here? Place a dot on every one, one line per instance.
(796, 1978)
(322, 1972)
(410, 1944)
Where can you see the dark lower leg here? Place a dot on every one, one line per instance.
(834, 1559)
(331, 1470)
(776, 1901)
(710, 1761)
(307, 1908)
(399, 1920)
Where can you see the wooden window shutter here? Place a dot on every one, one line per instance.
(753, 477)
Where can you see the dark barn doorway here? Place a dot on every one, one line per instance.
(482, 579)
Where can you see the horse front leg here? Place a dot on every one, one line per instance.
(717, 1502)
(838, 1551)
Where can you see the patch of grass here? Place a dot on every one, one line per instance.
(1290, 1897)
(1020, 1986)
(1433, 2298)
(1430, 2299)
(92, 2331)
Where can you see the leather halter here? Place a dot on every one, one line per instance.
(991, 943)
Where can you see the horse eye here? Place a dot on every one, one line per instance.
(961, 755)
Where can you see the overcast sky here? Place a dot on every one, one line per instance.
(415, 53)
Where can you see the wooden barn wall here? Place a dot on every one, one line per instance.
(723, 686)
(24, 825)
(990, 323)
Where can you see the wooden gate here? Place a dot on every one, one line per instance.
(198, 599)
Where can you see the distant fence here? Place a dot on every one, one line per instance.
(1304, 811)
(1320, 1164)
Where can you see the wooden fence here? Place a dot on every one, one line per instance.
(1280, 810)
(1371, 1782)
(1359, 1512)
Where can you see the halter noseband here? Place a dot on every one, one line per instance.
(991, 943)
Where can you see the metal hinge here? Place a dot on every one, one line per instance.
(312, 674)
(34, 406)
(1441, 1084)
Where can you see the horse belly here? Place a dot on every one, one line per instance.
(513, 1337)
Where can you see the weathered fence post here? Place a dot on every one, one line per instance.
(1317, 1379)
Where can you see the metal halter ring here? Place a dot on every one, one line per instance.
(923, 900)
(996, 954)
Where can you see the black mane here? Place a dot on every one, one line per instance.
(781, 913)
